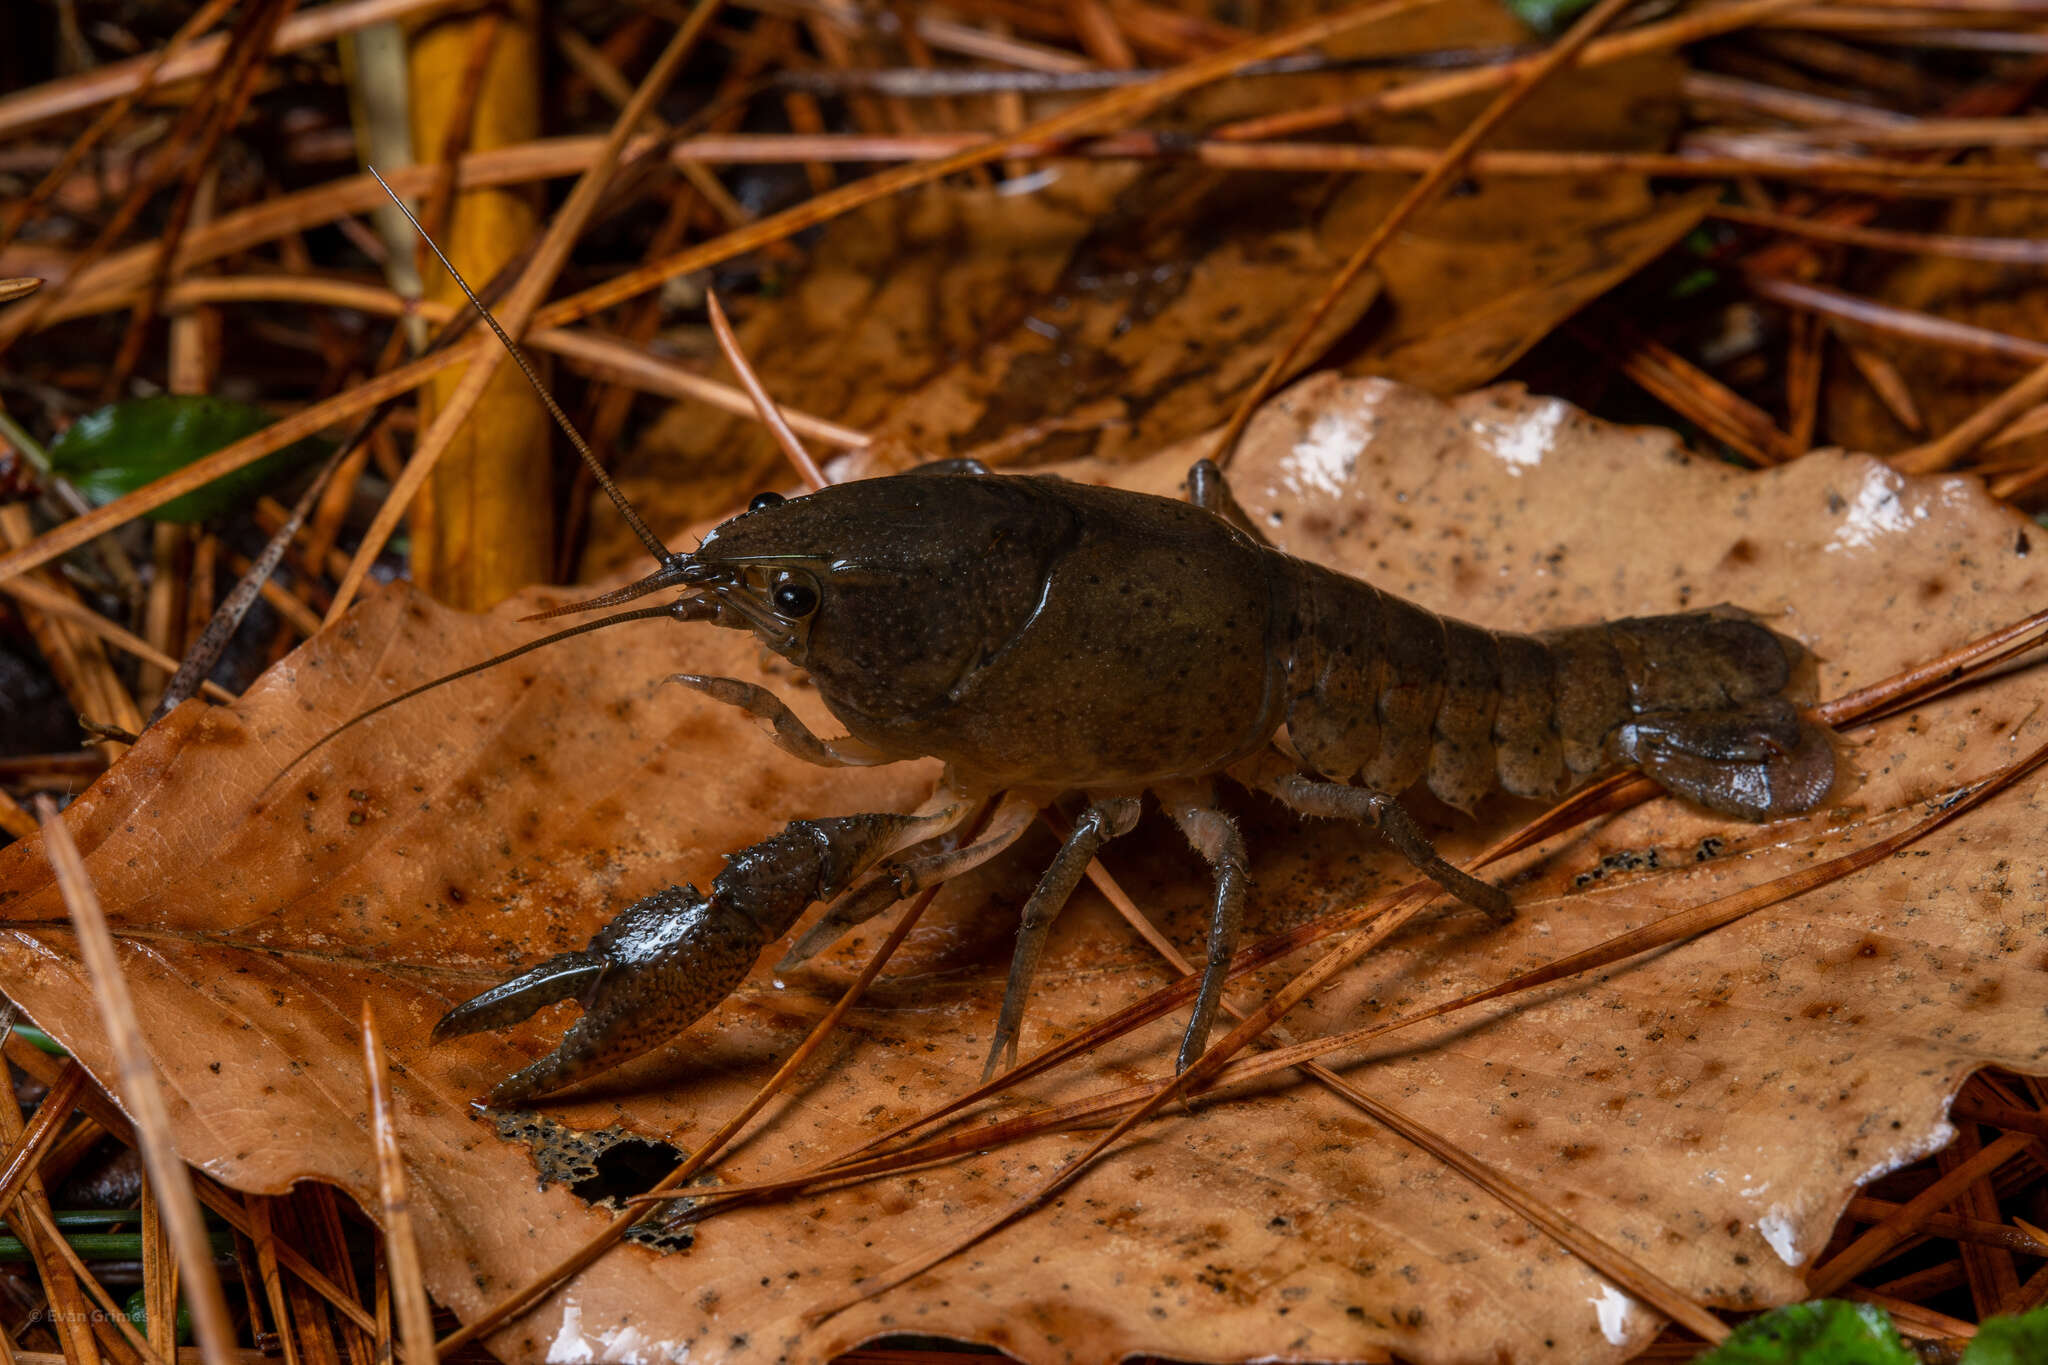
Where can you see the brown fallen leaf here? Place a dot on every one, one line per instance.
(1710, 1110)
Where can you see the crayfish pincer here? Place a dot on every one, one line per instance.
(1044, 638)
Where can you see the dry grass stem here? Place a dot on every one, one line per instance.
(1868, 1249)
(159, 1277)
(1888, 384)
(111, 1311)
(44, 598)
(582, 346)
(27, 1146)
(1688, 389)
(309, 28)
(129, 269)
(66, 1300)
(82, 529)
(268, 1246)
(1662, 37)
(138, 1083)
(15, 821)
(1982, 1232)
(1128, 103)
(1901, 322)
(771, 416)
(401, 1251)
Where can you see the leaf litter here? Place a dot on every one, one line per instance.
(484, 826)
(1115, 309)
(1445, 321)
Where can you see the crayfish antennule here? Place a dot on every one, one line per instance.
(669, 575)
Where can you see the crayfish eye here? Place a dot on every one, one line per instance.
(794, 597)
(761, 500)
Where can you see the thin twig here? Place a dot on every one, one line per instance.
(138, 1083)
(771, 416)
(401, 1251)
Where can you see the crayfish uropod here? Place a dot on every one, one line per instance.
(1043, 637)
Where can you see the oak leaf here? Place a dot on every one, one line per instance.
(1709, 1109)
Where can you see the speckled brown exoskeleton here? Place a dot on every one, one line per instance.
(1045, 638)
(1042, 637)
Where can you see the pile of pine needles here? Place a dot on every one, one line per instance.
(186, 186)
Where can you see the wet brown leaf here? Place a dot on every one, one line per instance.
(1710, 1111)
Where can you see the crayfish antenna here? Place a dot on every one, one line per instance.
(688, 609)
(661, 552)
(670, 573)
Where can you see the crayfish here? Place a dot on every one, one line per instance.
(1042, 638)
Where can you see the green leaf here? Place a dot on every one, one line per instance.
(1827, 1332)
(40, 1040)
(137, 1307)
(123, 446)
(2021, 1340)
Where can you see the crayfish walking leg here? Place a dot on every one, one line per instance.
(903, 877)
(1335, 800)
(1102, 821)
(1214, 835)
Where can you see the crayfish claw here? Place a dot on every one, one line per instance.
(565, 976)
(668, 959)
(660, 964)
